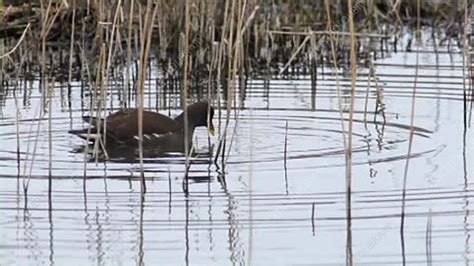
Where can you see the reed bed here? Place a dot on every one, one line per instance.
(208, 49)
(263, 33)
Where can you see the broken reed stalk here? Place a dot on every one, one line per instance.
(293, 56)
(18, 43)
(185, 90)
(378, 90)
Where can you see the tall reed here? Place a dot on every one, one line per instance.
(144, 55)
(185, 90)
(412, 131)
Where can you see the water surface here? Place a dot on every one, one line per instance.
(258, 209)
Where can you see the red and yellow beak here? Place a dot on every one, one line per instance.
(210, 126)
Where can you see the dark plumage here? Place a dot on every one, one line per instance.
(160, 132)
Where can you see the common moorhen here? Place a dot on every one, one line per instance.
(160, 132)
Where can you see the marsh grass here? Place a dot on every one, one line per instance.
(208, 49)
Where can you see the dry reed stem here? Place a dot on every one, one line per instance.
(367, 92)
(17, 44)
(293, 56)
(236, 45)
(71, 47)
(185, 90)
(50, 138)
(27, 153)
(466, 63)
(336, 75)
(51, 23)
(17, 121)
(467, 67)
(38, 127)
(210, 94)
(313, 211)
(220, 62)
(410, 141)
(144, 54)
(129, 50)
(349, 143)
(379, 95)
(232, 137)
(89, 129)
(250, 190)
(234, 56)
(107, 69)
(285, 151)
(140, 89)
(98, 97)
(44, 33)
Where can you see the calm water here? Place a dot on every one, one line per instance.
(257, 212)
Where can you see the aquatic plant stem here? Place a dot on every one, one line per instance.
(185, 91)
(107, 69)
(346, 147)
(467, 61)
(298, 50)
(410, 144)
(313, 209)
(50, 138)
(140, 100)
(220, 62)
(349, 141)
(129, 51)
(18, 43)
(336, 75)
(285, 156)
(17, 125)
(71, 45)
(144, 55)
